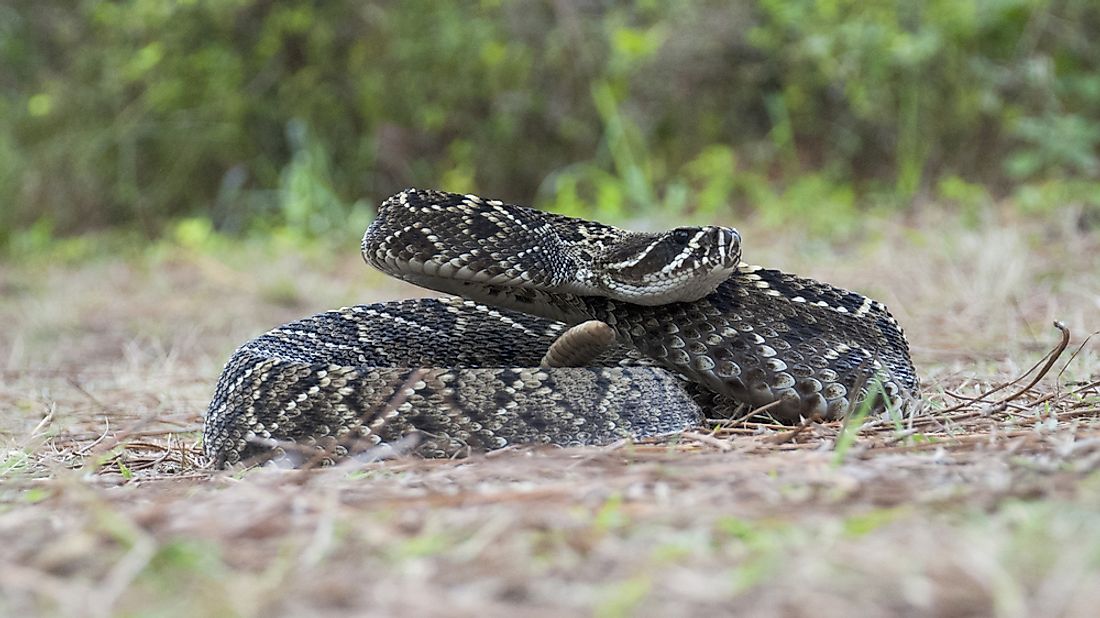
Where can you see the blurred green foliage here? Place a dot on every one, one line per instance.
(298, 114)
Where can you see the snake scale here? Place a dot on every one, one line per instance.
(693, 331)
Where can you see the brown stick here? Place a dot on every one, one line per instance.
(1051, 357)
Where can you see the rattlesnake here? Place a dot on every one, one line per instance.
(696, 331)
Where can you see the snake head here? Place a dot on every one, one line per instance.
(681, 265)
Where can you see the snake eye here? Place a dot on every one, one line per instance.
(682, 235)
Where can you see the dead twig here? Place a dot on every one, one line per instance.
(1044, 365)
(709, 440)
(1052, 358)
(791, 435)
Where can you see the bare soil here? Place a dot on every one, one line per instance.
(983, 503)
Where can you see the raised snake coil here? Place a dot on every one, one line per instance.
(696, 330)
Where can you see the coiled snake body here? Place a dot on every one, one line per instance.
(695, 331)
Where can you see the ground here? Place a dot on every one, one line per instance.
(977, 506)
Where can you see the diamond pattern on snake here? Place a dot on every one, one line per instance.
(556, 330)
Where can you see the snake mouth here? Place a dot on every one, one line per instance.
(729, 246)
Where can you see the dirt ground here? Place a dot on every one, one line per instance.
(976, 506)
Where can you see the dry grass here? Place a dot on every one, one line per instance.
(979, 506)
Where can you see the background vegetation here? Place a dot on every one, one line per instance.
(252, 115)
